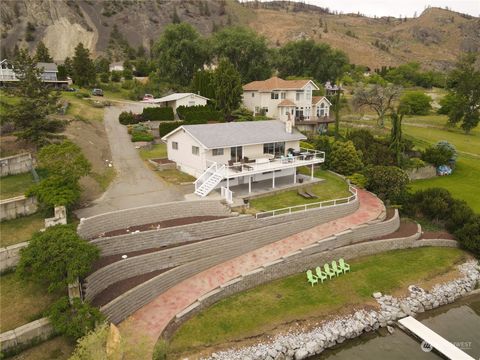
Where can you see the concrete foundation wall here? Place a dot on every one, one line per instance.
(24, 335)
(17, 206)
(16, 164)
(10, 255)
(95, 225)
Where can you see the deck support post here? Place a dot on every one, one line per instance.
(295, 175)
(273, 179)
(249, 184)
(312, 173)
(228, 183)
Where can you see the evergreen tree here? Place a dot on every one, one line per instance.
(37, 101)
(68, 66)
(83, 68)
(42, 54)
(228, 87)
(202, 84)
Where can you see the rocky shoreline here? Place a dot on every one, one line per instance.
(297, 345)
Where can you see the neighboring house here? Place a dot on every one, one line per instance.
(236, 153)
(288, 99)
(116, 66)
(179, 99)
(48, 75)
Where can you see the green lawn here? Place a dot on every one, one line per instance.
(21, 302)
(15, 185)
(82, 109)
(21, 229)
(292, 298)
(333, 187)
(158, 151)
(58, 348)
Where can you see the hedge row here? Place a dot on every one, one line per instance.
(158, 113)
(129, 118)
(198, 113)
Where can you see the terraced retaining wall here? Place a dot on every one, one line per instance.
(194, 258)
(95, 225)
(17, 206)
(38, 330)
(10, 255)
(300, 261)
(16, 164)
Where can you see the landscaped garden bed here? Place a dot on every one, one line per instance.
(270, 308)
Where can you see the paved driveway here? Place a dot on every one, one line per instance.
(135, 184)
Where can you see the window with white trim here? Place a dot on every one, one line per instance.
(174, 145)
(282, 95)
(274, 95)
(195, 150)
(217, 152)
(299, 95)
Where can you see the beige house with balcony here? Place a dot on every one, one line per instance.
(229, 154)
(288, 99)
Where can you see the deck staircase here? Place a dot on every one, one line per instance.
(209, 180)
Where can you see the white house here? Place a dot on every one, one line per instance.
(288, 99)
(48, 73)
(179, 99)
(229, 154)
(116, 66)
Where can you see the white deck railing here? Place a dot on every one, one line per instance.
(307, 157)
(309, 206)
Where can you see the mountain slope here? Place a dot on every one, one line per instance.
(434, 39)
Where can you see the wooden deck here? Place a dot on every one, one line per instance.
(440, 344)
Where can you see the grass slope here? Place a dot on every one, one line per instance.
(21, 229)
(292, 298)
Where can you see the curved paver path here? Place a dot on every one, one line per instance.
(135, 185)
(150, 320)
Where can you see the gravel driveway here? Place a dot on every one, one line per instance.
(135, 184)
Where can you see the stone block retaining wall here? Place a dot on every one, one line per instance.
(95, 225)
(38, 330)
(17, 206)
(16, 164)
(295, 263)
(10, 255)
(195, 258)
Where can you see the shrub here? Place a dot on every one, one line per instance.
(92, 345)
(56, 190)
(127, 118)
(415, 163)
(374, 151)
(104, 77)
(444, 144)
(437, 155)
(242, 114)
(469, 235)
(74, 320)
(358, 179)
(158, 113)
(388, 182)
(116, 76)
(56, 257)
(141, 136)
(433, 204)
(306, 145)
(198, 113)
(82, 94)
(416, 103)
(344, 158)
(167, 127)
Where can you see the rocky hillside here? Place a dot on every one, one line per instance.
(434, 38)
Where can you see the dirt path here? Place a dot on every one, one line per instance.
(135, 185)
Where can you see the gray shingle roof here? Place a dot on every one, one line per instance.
(221, 135)
(47, 66)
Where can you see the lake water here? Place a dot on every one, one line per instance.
(459, 323)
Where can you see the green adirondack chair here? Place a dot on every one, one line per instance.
(320, 274)
(329, 272)
(312, 279)
(343, 265)
(336, 269)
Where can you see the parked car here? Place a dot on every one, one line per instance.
(69, 89)
(148, 97)
(97, 92)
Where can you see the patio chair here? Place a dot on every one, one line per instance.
(283, 159)
(303, 194)
(343, 265)
(320, 274)
(329, 272)
(290, 158)
(336, 269)
(311, 194)
(312, 279)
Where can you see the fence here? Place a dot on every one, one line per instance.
(305, 207)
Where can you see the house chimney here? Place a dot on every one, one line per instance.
(288, 125)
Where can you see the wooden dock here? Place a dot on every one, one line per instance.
(440, 344)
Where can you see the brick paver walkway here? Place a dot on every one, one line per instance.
(149, 321)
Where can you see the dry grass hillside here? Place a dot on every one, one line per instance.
(434, 38)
